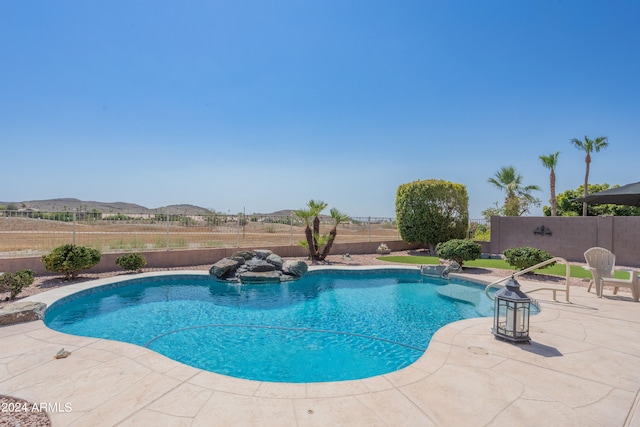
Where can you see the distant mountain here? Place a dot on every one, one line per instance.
(285, 212)
(70, 204)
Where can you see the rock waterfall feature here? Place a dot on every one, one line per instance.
(258, 266)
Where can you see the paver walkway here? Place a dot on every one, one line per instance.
(581, 369)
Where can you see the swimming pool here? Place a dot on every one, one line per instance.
(331, 325)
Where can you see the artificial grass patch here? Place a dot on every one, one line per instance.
(411, 259)
(556, 270)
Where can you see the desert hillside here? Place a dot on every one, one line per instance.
(71, 204)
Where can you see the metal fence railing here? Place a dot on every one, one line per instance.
(28, 233)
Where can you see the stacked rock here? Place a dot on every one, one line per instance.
(258, 266)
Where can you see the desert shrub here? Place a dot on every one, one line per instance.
(70, 259)
(283, 220)
(458, 250)
(16, 282)
(131, 262)
(118, 217)
(213, 220)
(53, 216)
(525, 257)
(479, 231)
(482, 236)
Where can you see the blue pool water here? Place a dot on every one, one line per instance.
(327, 326)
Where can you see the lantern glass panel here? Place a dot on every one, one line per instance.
(511, 319)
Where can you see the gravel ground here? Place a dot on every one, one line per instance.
(18, 412)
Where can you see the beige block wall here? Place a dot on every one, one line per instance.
(570, 236)
(185, 258)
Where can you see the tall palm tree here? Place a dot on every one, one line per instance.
(518, 196)
(589, 145)
(550, 162)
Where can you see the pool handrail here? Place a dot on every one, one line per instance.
(535, 267)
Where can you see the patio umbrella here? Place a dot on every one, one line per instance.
(626, 195)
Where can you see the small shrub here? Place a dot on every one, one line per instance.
(70, 259)
(482, 236)
(479, 232)
(131, 262)
(458, 250)
(525, 257)
(16, 282)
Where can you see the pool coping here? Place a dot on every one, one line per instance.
(465, 376)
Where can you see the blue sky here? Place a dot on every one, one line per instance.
(263, 105)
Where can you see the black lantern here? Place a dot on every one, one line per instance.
(511, 313)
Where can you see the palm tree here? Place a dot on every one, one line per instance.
(306, 215)
(314, 240)
(518, 197)
(338, 218)
(550, 162)
(313, 210)
(589, 145)
(316, 206)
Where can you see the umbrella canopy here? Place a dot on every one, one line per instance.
(628, 195)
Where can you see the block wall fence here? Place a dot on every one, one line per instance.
(570, 237)
(188, 257)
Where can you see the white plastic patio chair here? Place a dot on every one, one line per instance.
(602, 262)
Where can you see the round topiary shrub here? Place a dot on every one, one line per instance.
(525, 257)
(70, 259)
(131, 262)
(458, 250)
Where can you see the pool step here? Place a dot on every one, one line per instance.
(460, 293)
(482, 304)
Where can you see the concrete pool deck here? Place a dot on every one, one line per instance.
(581, 368)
